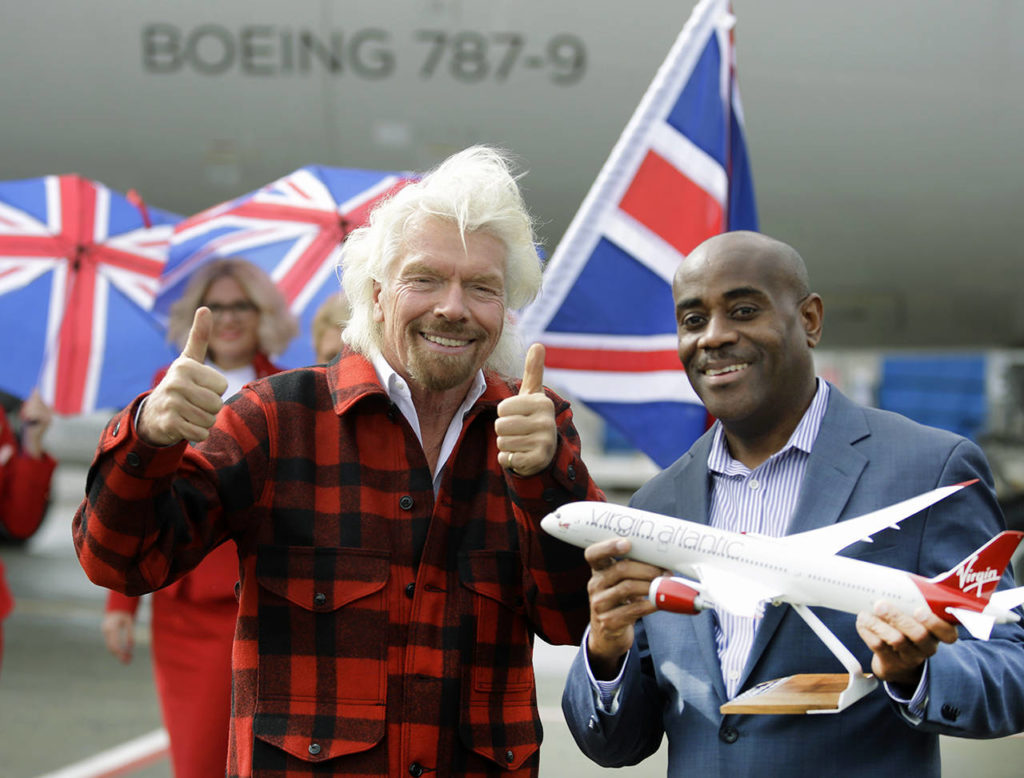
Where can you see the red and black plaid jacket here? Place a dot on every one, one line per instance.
(350, 657)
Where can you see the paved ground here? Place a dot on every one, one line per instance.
(63, 699)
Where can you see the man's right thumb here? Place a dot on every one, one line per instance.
(199, 335)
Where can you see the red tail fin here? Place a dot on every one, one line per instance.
(979, 574)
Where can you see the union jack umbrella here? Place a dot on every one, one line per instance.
(79, 265)
(293, 228)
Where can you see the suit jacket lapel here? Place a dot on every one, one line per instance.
(833, 469)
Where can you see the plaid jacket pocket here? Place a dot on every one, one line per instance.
(323, 629)
(501, 671)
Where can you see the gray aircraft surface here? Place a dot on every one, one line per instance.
(884, 137)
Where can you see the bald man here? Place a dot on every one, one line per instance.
(789, 453)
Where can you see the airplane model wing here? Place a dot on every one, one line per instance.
(737, 594)
(834, 538)
(978, 623)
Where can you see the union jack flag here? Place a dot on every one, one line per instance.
(293, 228)
(79, 265)
(678, 175)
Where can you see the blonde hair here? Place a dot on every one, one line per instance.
(277, 324)
(474, 189)
(332, 313)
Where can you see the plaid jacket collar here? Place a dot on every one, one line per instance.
(351, 378)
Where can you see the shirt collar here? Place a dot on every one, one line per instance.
(394, 384)
(398, 392)
(802, 438)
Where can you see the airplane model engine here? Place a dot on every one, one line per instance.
(675, 596)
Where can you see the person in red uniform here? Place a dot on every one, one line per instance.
(25, 473)
(193, 619)
(386, 506)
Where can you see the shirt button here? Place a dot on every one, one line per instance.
(416, 769)
(734, 675)
(319, 599)
(406, 502)
(410, 589)
(314, 749)
(549, 495)
(753, 483)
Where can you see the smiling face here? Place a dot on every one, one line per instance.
(746, 325)
(236, 320)
(443, 308)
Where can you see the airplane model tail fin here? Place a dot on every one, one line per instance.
(979, 574)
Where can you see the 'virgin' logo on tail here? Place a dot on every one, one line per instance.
(970, 579)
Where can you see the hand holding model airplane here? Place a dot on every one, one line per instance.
(741, 573)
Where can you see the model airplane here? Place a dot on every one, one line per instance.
(741, 573)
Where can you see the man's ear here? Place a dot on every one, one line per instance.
(378, 311)
(812, 314)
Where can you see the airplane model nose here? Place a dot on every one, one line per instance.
(550, 523)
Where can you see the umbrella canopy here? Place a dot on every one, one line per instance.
(292, 228)
(79, 265)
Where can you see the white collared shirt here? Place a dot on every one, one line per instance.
(398, 392)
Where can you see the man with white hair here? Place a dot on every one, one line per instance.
(386, 506)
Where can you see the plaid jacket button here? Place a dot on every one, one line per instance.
(319, 599)
(133, 459)
(509, 756)
(416, 769)
(410, 590)
(314, 748)
(406, 502)
(571, 472)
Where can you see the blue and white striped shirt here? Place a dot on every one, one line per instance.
(758, 501)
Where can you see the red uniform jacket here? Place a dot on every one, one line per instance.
(356, 653)
(24, 488)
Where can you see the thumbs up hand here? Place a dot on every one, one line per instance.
(526, 430)
(184, 404)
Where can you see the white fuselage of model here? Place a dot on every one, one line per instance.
(683, 546)
(741, 572)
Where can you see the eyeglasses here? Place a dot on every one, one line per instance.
(240, 308)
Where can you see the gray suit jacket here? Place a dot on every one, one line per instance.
(863, 459)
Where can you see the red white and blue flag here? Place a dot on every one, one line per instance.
(293, 228)
(79, 265)
(678, 174)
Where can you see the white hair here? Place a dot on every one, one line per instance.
(474, 189)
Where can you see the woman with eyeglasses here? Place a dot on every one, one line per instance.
(193, 620)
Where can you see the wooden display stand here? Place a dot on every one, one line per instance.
(798, 694)
(810, 692)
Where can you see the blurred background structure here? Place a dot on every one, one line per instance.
(884, 137)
